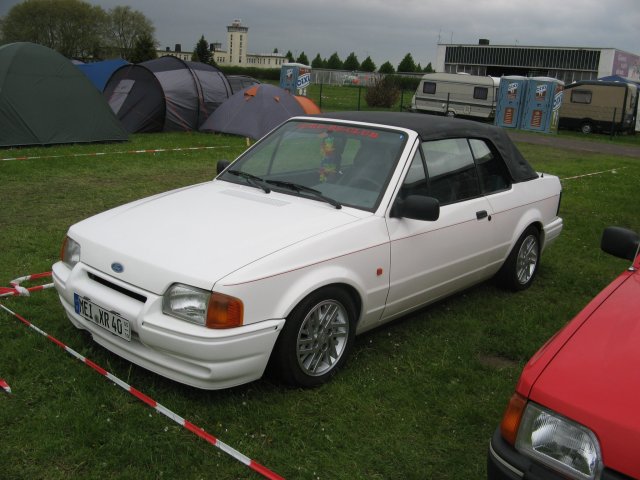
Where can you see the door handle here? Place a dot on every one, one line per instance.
(481, 214)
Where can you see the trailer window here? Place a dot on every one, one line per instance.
(581, 96)
(429, 87)
(480, 93)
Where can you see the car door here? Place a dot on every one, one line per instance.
(430, 260)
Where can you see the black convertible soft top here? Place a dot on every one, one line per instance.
(433, 127)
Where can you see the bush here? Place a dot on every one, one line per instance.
(385, 93)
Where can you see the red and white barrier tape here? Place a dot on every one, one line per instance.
(613, 170)
(17, 290)
(5, 386)
(262, 470)
(97, 154)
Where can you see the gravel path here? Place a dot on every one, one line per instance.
(576, 144)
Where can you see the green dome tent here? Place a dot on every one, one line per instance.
(45, 100)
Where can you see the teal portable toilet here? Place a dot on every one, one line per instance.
(542, 104)
(510, 102)
(295, 78)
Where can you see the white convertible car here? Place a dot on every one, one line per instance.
(329, 226)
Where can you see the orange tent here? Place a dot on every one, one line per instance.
(307, 105)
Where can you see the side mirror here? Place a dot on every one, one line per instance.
(416, 207)
(620, 242)
(222, 164)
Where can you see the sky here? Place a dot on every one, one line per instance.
(388, 30)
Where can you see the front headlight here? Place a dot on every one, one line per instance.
(209, 309)
(559, 443)
(70, 252)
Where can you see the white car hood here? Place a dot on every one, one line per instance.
(199, 234)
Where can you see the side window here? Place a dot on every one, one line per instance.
(480, 93)
(429, 87)
(451, 169)
(580, 96)
(492, 171)
(415, 183)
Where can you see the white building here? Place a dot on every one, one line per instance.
(236, 54)
(568, 64)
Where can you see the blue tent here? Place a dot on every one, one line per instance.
(100, 72)
(618, 78)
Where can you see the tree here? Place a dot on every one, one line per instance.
(367, 65)
(407, 64)
(71, 27)
(302, 58)
(201, 52)
(334, 62)
(143, 50)
(386, 67)
(351, 63)
(429, 68)
(124, 27)
(289, 57)
(318, 62)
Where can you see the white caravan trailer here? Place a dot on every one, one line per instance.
(454, 94)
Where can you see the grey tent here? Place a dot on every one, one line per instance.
(165, 94)
(45, 99)
(256, 110)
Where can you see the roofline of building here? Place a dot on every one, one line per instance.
(554, 47)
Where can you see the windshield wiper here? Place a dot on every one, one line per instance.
(251, 179)
(302, 188)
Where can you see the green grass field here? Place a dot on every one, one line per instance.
(418, 399)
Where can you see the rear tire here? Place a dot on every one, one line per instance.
(521, 266)
(316, 339)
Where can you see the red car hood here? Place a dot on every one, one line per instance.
(590, 372)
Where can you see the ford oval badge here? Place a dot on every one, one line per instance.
(117, 267)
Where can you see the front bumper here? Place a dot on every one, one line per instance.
(187, 353)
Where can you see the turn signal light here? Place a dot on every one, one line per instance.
(511, 418)
(224, 311)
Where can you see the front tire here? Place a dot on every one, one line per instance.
(521, 267)
(316, 339)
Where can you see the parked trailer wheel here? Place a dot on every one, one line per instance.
(586, 128)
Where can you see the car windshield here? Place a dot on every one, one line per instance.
(336, 163)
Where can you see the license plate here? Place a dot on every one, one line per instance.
(106, 319)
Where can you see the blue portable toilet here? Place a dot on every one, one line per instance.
(295, 78)
(510, 101)
(542, 104)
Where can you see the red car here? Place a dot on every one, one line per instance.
(575, 413)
